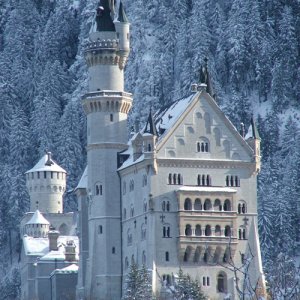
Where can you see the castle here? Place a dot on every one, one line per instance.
(180, 193)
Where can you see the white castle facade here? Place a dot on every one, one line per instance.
(181, 193)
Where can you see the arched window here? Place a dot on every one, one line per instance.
(166, 231)
(240, 234)
(187, 204)
(143, 232)
(198, 231)
(174, 179)
(170, 179)
(218, 230)
(242, 208)
(131, 185)
(144, 258)
(131, 211)
(203, 180)
(199, 182)
(126, 263)
(244, 234)
(207, 122)
(227, 205)
(163, 205)
(207, 230)
(144, 180)
(188, 230)
(132, 259)
(222, 282)
(203, 146)
(187, 254)
(231, 180)
(217, 133)
(129, 237)
(168, 206)
(166, 279)
(207, 204)
(197, 205)
(227, 180)
(98, 189)
(208, 180)
(227, 231)
(217, 205)
(179, 179)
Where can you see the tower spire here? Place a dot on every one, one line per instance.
(104, 18)
(150, 125)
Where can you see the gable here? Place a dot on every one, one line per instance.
(202, 131)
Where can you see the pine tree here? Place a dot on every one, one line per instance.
(186, 288)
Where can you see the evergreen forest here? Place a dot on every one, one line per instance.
(252, 47)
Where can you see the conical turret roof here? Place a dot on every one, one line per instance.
(104, 17)
(38, 218)
(122, 15)
(46, 163)
(150, 125)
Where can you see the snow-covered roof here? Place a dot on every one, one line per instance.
(67, 270)
(83, 183)
(43, 165)
(38, 218)
(40, 247)
(206, 189)
(166, 117)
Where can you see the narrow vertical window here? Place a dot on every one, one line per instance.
(38, 175)
(170, 179)
(167, 256)
(111, 117)
(51, 175)
(113, 250)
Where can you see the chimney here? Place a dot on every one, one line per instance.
(70, 251)
(53, 236)
(49, 161)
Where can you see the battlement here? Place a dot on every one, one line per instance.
(100, 45)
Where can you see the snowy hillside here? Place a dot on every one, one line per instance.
(252, 48)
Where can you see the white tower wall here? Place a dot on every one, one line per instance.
(106, 106)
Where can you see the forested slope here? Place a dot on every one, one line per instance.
(252, 48)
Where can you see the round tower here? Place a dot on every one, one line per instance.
(46, 184)
(106, 106)
(37, 226)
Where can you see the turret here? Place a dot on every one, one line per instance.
(149, 135)
(122, 29)
(253, 139)
(46, 184)
(37, 226)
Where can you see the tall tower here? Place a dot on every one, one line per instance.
(106, 106)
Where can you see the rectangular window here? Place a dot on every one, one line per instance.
(204, 281)
(111, 117)
(167, 256)
(100, 230)
(45, 174)
(51, 175)
(57, 175)
(38, 174)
